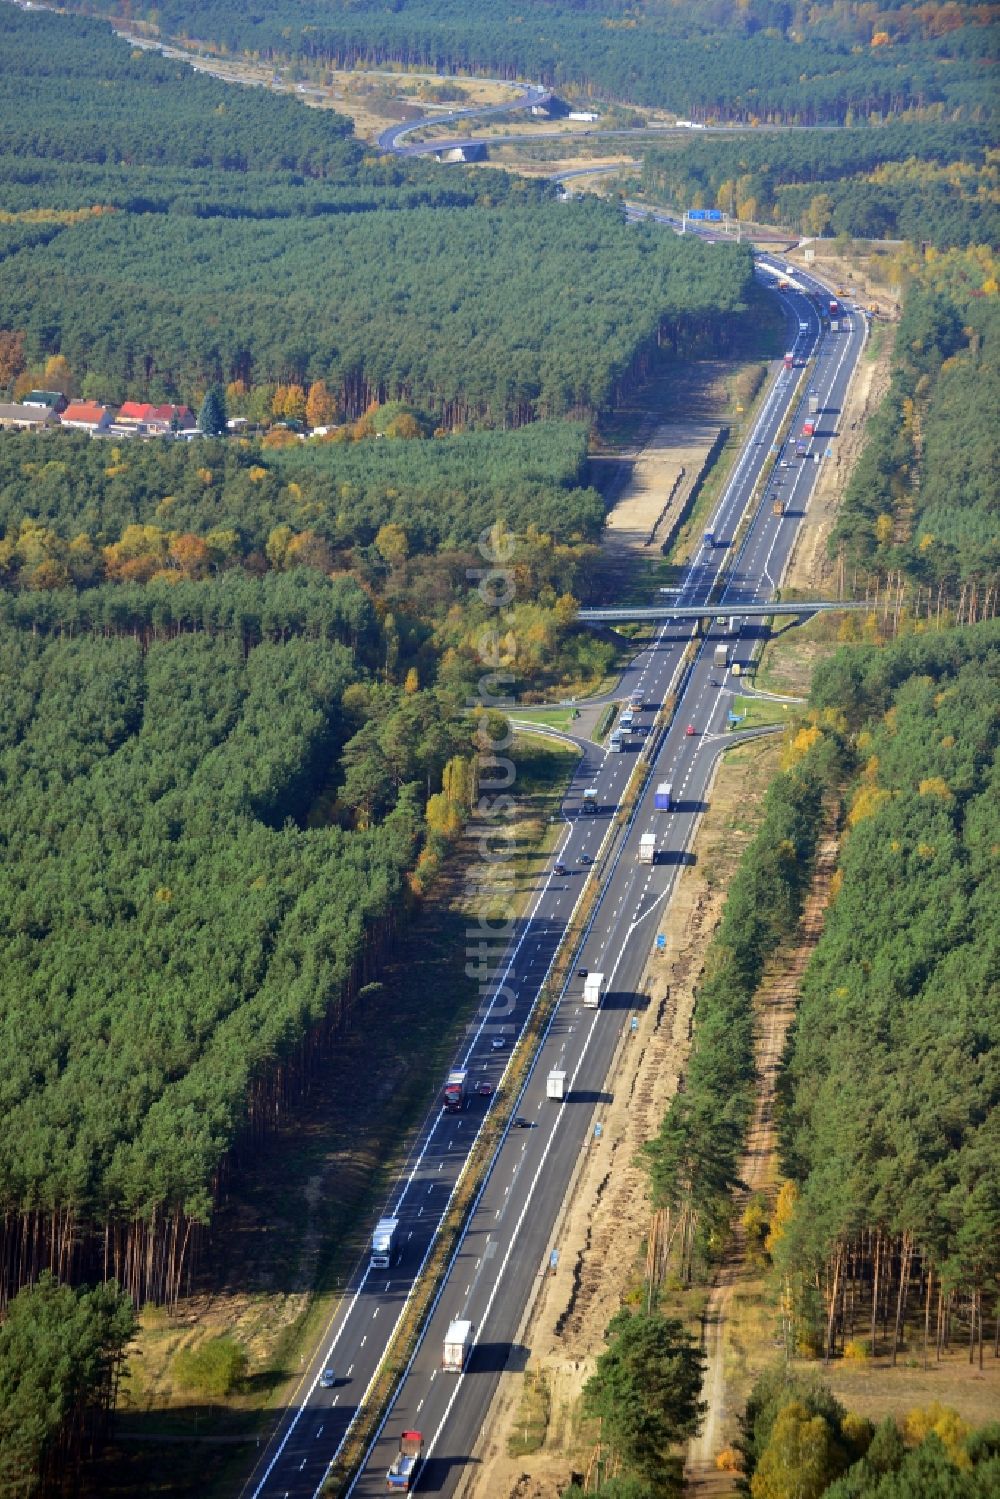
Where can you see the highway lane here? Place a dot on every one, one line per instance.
(534, 1167)
(511, 1226)
(531, 94)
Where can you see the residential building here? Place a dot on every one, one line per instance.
(150, 420)
(24, 418)
(52, 400)
(87, 416)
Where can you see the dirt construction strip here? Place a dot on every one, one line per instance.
(607, 1213)
(775, 1008)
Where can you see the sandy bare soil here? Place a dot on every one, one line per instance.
(775, 1009)
(607, 1214)
(810, 566)
(659, 486)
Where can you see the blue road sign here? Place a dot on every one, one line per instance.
(661, 941)
(635, 1024)
(598, 1131)
(554, 1258)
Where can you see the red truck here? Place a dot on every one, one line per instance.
(808, 429)
(454, 1092)
(834, 307)
(789, 361)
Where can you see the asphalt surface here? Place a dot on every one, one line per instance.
(390, 139)
(508, 1241)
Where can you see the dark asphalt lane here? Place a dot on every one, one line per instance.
(508, 1241)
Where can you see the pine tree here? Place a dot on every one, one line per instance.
(212, 416)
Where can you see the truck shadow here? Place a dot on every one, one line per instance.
(494, 1358)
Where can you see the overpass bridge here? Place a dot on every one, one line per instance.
(626, 615)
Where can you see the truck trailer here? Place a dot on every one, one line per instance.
(720, 656)
(593, 985)
(384, 1243)
(663, 797)
(400, 1477)
(555, 1084)
(647, 848)
(457, 1346)
(454, 1091)
(813, 403)
(590, 799)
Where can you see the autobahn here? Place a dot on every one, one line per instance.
(508, 1238)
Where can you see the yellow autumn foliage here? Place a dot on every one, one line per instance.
(799, 745)
(866, 803)
(936, 786)
(946, 1424)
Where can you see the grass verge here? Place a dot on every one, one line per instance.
(533, 1414)
(550, 718)
(757, 712)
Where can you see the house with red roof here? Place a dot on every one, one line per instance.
(150, 420)
(87, 416)
(134, 412)
(173, 417)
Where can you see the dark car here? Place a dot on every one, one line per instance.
(521, 1123)
(586, 859)
(484, 1089)
(582, 973)
(559, 868)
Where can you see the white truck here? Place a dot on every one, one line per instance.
(555, 1084)
(626, 721)
(647, 848)
(383, 1243)
(457, 1345)
(593, 984)
(720, 657)
(590, 799)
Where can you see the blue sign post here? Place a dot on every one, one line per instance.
(661, 942)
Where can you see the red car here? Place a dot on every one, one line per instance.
(689, 730)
